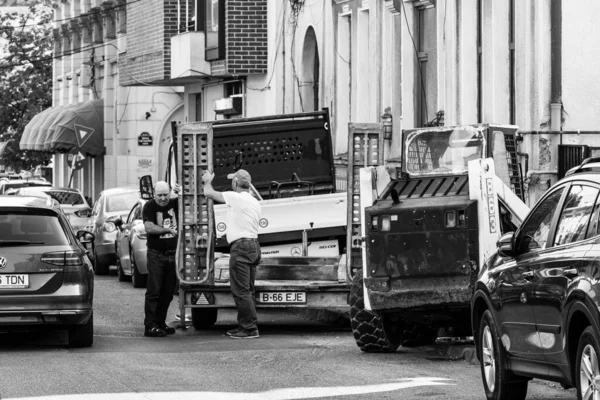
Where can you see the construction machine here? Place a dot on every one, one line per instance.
(422, 234)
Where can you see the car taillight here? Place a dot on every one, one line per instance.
(450, 219)
(374, 223)
(83, 213)
(109, 226)
(62, 258)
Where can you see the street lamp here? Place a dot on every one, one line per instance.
(388, 124)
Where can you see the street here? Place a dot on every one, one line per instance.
(297, 356)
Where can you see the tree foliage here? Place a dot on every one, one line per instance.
(25, 78)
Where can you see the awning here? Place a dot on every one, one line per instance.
(63, 128)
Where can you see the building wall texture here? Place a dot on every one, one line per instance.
(246, 37)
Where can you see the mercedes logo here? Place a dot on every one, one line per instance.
(2, 262)
(296, 252)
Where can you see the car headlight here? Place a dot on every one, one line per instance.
(109, 226)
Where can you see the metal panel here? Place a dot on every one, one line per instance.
(365, 148)
(570, 156)
(194, 148)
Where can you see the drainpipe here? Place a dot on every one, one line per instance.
(556, 73)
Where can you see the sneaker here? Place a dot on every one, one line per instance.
(241, 334)
(188, 318)
(155, 332)
(233, 331)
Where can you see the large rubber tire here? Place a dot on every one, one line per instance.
(372, 331)
(100, 268)
(138, 280)
(203, 318)
(498, 382)
(588, 369)
(82, 335)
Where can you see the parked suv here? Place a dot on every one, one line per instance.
(46, 278)
(535, 307)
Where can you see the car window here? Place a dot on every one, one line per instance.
(98, 206)
(40, 228)
(66, 197)
(132, 214)
(575, 216)
(534, 234)
(121, 201)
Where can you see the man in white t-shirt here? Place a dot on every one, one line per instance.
(243, 214)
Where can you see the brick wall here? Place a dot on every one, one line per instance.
(246, 36)
(150, 25)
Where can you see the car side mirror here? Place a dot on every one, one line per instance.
(506, 245)
(85, 237)
(119, 222)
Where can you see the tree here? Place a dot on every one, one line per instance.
(25, 78)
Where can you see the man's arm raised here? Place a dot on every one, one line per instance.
(209, 191)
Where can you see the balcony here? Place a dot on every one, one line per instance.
(187, 58)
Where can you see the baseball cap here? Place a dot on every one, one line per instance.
(242, 177)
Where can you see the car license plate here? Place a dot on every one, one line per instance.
(281, 297)
(8, 281)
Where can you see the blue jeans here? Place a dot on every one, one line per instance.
(245, 256)
(160, 288)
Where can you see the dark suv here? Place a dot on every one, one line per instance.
(535, 307)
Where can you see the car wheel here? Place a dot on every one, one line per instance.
(588, 371)
(138, 280)
(100, 268)
(498, 382)
(203, 318)
(373, 332)
(82, 335)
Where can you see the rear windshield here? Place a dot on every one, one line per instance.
(121, 202)
(31, 226)
(68, 198)
(15, 185)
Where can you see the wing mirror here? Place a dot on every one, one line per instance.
(85, 236)
(119, 223)
(506, 245)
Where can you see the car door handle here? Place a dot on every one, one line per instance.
(570, 273)
(527, 275)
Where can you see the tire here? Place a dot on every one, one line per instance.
(138, 280)
(588, 352)
(100, 268)
(203, 318)
(498, 382)
(373, 331)
(82, 335)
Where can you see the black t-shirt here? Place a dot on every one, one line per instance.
(165, 217)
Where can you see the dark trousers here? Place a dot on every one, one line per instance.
(160, 288)
(245, 256)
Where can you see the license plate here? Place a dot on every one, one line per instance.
(281, 297)
(14, 281)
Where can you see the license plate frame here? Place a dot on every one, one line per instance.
(281, 297)
(14, 281)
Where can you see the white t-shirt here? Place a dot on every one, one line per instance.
(243, 214)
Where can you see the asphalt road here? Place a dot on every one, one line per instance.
(298, 356)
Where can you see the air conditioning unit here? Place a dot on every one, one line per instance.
(229, 105)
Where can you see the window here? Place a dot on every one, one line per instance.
(537, 228)
(133, 214)
(575, 216)
(215, 29)
(44, 229)
(121, 201)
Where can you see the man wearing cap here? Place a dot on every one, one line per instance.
(243, 214)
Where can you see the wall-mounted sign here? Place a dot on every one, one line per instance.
(145, 139)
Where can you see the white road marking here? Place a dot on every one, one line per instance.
(276, 394)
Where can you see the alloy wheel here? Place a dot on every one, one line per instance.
(489, 359)
(589, 374)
